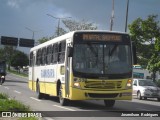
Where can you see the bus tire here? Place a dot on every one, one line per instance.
(109, 103)
(62, 101)
(39, 94)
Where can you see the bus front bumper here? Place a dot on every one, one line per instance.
(79, 94)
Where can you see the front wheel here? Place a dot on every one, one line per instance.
(109, 103)
(62, 101)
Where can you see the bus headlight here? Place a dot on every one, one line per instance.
(76, 84)
(129, 84)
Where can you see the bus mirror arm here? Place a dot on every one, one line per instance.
(70, 51)
(134, 53)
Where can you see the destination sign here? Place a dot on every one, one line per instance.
(102, 37)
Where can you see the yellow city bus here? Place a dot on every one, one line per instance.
(83, 65)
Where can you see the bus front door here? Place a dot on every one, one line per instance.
(67, 73)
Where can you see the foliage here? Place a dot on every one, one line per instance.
(154, 63)
(6, 54)
(3, 96)
(59, 32)
(73, 25)
(146, 35)
(19, 59)
(42, 40)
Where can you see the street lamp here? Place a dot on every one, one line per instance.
(33, 31)
(59, 19)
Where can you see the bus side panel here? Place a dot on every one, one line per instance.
(51, 88)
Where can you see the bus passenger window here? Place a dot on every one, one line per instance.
(31, 59)
(61, 52)
(43, 56)
(55, 53)
(39, 57)
(49, 54)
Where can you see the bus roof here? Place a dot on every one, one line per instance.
(70, 35)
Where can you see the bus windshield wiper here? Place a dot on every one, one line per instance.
(93, 50)
(113, 49)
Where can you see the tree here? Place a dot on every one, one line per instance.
(19, 59)
(42, 40)
(70, 25)
(6, 54)
(73, 25)
(146, 34)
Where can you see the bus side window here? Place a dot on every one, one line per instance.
(31, 59)
(55, 53)
(49, 54)
(43, 56)
(61, 52)
(38, 57)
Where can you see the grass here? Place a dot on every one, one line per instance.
(7, 104)
(20, 74)
(3, 96)
(11, 105)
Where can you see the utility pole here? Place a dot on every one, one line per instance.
(59, 20)
(127, 16)
(112, 16)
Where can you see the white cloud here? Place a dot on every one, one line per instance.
(13, 3)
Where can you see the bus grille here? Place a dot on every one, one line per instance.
(93, 95)
(103, 84)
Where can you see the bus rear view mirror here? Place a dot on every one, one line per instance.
(70, 51)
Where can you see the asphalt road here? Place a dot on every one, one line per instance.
(17, 88)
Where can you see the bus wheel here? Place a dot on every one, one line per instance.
(39, 94)
(109, 103)
(62, 100)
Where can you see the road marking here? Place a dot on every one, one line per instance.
(64, 108)
(35, 99)
(17, 91)
(6, 88)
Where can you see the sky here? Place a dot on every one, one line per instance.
(18, 15)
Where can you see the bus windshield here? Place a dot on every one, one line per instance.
(100, 59)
